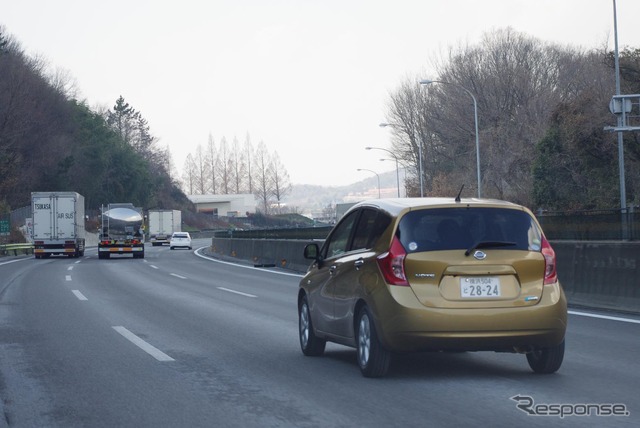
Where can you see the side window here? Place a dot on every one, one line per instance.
(371, 225)
(339, 239)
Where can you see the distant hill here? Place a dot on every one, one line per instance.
(308, 198)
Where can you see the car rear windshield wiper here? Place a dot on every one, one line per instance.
(489, 244)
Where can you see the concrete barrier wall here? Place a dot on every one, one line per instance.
(600, 275)
(286, 254)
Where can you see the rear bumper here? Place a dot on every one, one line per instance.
(406, 325)
(58, 247)
(120, 249)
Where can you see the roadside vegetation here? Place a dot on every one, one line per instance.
(542, 110)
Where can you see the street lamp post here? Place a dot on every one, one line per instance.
(475, 116)
(377, 175)
(384, 125)
(397, 168)
(623, 191)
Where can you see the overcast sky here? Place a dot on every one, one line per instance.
(310, 78)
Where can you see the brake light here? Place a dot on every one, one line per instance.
(550, 273)
(391, 264)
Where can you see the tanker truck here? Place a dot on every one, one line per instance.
(121, 231)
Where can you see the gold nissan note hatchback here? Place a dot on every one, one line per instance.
(434, 274)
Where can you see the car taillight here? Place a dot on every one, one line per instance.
(392, 264)
(550, 273)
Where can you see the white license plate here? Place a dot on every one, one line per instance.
(473, 287)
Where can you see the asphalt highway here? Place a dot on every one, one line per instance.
(180, 339)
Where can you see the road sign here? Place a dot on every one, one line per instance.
(5, 228)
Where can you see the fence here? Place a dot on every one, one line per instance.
(595, 225)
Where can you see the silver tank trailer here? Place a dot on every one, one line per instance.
(122, 223)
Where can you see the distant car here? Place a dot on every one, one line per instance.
(180, 240)
(434, 274)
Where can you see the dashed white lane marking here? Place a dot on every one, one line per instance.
(78, 261)
(178, 276)
(154, 266)
(236, 292)
(146, 347)
(79, 295)
(67, 278)
(70, 268)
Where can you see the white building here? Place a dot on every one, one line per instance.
(225, 205)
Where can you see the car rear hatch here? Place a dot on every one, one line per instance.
(473, 258)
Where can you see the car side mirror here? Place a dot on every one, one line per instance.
(312, 252)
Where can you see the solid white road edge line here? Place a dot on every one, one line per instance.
(146, 347)
(13, 261)
(604, 317)
(197, 253)
(236, 292)
(79, 295)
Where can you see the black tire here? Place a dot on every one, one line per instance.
(546, 360)
(311, 345)
(373, 358)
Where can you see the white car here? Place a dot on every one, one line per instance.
(180, 240)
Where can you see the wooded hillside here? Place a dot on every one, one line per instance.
(50, 141)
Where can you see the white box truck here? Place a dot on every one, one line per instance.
(162, 224)
(58, 224)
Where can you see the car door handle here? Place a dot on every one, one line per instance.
(358, 263)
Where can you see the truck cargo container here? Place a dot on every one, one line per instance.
(162, 224)
(58, 224)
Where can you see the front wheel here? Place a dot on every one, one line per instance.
(373, 358)
(546, 360)
(311, 345)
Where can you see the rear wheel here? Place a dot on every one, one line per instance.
(373, 358)
(546, 360)
(311, 345)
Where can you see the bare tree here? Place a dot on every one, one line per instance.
(213, 162)
(225, 166)
(248, 152)
(263, 189)
(189, 175)
(238, 167)
(280, 180)
(202, 171)
(517, 81)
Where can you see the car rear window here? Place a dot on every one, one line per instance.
(463, 228)
(180, 235)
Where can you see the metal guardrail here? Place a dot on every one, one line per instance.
(15, 249)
